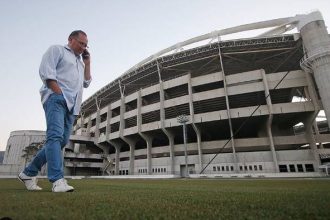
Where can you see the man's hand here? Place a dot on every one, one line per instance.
(87, 61)
(86, 57)
(52, 84)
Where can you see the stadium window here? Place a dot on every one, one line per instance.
(218, 168)
(292, 168)
(227, 168)
(161, 170)
(283, 168)
(232, 168)
(164, 170)
(300, 168)
(245, 168)
(255, 167)
(309, 167)
(250, 167)
(240, 168)
(222, 168)
(126, 172)
(260, 167)
(158, 170)
(214, 168)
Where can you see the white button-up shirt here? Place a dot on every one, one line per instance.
(61, 64)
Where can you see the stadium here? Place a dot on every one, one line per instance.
(207, 106)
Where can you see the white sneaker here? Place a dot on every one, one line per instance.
(30, 182)
(61, 186)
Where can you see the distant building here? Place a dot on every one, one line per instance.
(2, 153)
(21, 147)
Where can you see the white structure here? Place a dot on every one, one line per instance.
(239, 95)
(16, 156)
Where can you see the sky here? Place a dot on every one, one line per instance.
(121, 34)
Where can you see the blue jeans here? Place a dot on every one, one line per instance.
(59, 124)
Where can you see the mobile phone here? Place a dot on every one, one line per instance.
(85, 54)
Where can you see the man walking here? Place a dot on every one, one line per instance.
(64, 71)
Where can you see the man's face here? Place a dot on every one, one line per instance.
(78, 44)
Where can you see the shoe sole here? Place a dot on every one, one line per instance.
(22, 180)
(71, 190)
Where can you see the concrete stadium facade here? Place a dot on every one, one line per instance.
(243, 99)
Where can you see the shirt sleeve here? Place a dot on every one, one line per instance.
(87, 82)
(50, 59)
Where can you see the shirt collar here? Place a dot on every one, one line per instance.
(69, 49)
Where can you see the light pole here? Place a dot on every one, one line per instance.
(183, 119)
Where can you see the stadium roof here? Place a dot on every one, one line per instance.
(271, 51)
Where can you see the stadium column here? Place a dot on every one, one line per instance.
(168, 133)
(81, 119)
(311, 94)
(97, 129)
(89, 124)
(232, 142)
(122, 111)
(147, 138)
(270, 120)
(97, 123)
(195, 127)
(117, 147)
(131, 142)
(108, 128)
(308, 123)
(316, 43)
(317, 132)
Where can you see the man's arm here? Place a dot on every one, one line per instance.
(87, 72)
(47, 70)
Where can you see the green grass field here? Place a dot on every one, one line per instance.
(170, 199)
